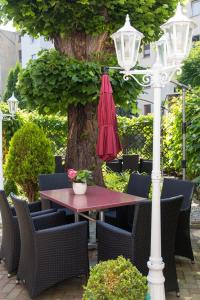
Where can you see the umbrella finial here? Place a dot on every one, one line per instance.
(105, 70)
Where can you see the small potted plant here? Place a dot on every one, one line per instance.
(79, 180)
(116, 279)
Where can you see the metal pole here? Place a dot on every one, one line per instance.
(184, 126)
(155, 263)
(1, 151)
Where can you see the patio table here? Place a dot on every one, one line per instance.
(96, 199)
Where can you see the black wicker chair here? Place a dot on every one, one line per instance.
(138, 185)
(52, 182)
(145, 166)
(10, 245)
(135, 245)
(130, 162)
(59, 167)
(51, 249)
(171, 188)
(114, 165)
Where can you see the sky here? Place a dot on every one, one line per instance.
(8, 27)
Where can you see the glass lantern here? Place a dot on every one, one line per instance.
(12, 104)
(127, 43)
(178, 30)
(161, 47)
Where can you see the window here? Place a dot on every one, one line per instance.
(32, 39)
(20, 56)
(146, 50)
(196, 38)
(195, 7)
(147, 109)
(33, 56)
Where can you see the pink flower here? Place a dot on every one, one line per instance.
(72, 174)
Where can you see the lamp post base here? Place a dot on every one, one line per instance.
(156, 279)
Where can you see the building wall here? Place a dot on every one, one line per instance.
(31, 46)
(147, 61)
(9, 55)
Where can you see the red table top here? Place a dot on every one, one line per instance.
(96, 198)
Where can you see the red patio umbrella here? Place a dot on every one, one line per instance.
(108, 144)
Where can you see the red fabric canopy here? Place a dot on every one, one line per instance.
(108, 144)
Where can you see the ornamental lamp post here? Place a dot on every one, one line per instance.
(127, 44)
(161, 49)
(12, 106)
(178, 31)
(172, 48)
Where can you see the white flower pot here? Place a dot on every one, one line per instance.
(79, 188)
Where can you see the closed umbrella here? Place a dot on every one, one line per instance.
(108, 144)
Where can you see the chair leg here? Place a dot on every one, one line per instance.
(17, 281)
(178, 293)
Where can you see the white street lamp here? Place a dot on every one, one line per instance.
(178, 30)
(13, 106)
(170, 52)
(161, 48)
(127, 44)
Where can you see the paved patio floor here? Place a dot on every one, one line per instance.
(188, 274)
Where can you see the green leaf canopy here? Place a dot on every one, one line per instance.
(51, 18)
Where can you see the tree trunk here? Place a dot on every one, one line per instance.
(82, 138)
(82, 120)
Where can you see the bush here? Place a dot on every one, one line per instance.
(115, 280)
(29, 155)
(173, 135)
(116, 181)
(54, 127)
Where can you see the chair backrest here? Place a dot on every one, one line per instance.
(145, 166)
(6, 213)
(141, 230)
(53, 181)
(139, 185)
(59, 167)
(130, 162)
(26, 225)
(115, 165)
(174, 187)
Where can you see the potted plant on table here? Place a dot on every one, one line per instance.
(79, 180)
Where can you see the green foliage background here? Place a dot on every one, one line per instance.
(11, 85)
(190, 71)
(53, 81)
(173, 135)
(29, 155)
(55, 128)
(63, 18)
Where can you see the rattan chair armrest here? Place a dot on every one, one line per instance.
(112, 229)
(43, 212)
(49, 220)
(13, 210)
(36, 206)
(73, 231)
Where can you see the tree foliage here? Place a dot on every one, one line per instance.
(11, 85)
(58, 17)
(190, 71)
(53, 81)
(29, 155)
(173, 136)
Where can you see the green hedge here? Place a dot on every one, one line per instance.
(54, 127)
(136, 134)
